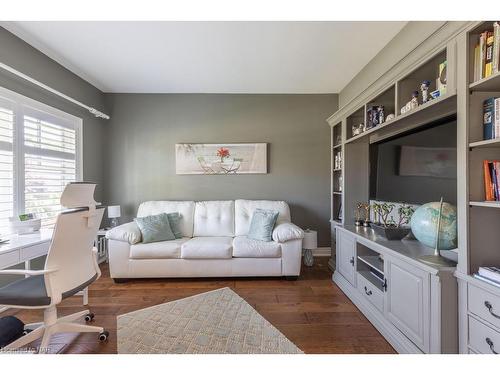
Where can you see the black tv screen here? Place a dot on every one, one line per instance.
(416, 168)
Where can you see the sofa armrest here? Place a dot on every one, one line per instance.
(287, 232)
(129, 232)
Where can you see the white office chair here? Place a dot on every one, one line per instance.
(71, 265)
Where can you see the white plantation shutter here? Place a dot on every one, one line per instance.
(40, 152)
(49, 164)
(7, 198)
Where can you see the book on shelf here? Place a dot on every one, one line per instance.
(491, 179)
(491, 118)
(487, 53)
(496, 46)
(486, 280)
(492, 273)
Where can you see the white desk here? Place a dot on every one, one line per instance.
(23, 248)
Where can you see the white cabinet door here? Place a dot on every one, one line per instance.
(407, 301)
(346, 255)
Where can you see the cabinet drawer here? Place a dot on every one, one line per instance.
(35, 251)
(485, 305)
(482, 338)
(371, 292)
(9, 259)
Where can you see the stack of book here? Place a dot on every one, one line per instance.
(492, 179)
(491, 118)
(491, 275)
(486, 53)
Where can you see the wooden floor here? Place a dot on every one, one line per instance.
(312, 311)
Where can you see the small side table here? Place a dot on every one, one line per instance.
(102, 245)
(309, 243)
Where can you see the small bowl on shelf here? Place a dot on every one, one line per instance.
(391, 233)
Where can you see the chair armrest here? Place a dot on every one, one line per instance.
(26, 272)
(129, 232)
(286, 232)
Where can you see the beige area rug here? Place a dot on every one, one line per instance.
(216, 322)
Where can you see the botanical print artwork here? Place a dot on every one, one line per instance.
(220, 158)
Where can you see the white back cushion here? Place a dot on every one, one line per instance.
(244, 210)
(184, 208)
(214, 218)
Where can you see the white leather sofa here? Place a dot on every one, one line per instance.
(214, 243)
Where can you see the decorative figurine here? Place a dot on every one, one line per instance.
(381, 114)
(414, 100)
(424, 87)
(366, 207)
(358, 129)
(441, 80)
(372, 118)
(358, 221)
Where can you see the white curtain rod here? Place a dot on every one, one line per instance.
(92, 110)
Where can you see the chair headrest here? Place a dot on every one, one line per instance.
(79, 194)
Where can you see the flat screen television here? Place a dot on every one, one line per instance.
(416, 167)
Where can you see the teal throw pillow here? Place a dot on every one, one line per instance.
(174, 218)
(155, 228)
(262, 225)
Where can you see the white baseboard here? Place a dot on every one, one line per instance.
(322, 252)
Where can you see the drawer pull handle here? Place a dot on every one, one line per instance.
(490, 344)
(368, 292)
(490, 309)
(352, 261)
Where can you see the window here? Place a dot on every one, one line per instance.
(40, 153)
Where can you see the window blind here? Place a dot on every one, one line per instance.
(40, 153)
(6, 167)
(49, 164)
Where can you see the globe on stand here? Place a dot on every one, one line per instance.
(435, 225)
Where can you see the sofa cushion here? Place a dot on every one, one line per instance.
(155, 228)
(128, 232)
(184, 208)
(244, 211)
(244, 247)
(214, 219)
(262, 225)
(174, 218)
(158, 250)
(207, 248)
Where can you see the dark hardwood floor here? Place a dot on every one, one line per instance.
(311, 311)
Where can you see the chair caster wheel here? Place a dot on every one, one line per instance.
(104, 336)
(89, 317)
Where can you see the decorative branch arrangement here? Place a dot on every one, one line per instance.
(383, 214)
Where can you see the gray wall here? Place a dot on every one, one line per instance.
(414, 33)
(21, 56)
(145, 127)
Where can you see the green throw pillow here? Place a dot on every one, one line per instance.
(174, 219)
(262, 225)
(155, 228)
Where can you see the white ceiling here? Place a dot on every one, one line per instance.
(211, 57)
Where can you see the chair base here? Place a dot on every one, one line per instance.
(51, 325)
